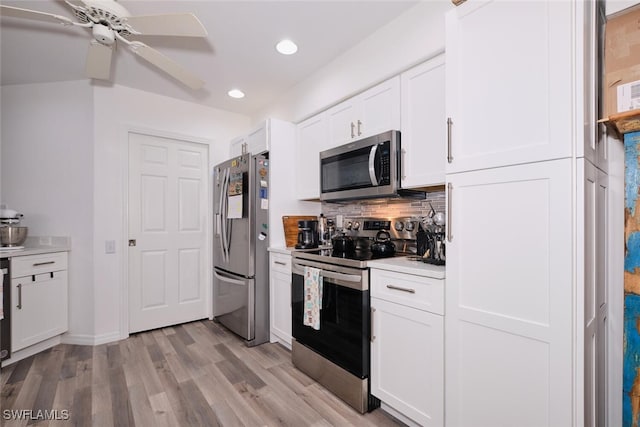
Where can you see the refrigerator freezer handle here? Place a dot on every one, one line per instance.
(228, 279)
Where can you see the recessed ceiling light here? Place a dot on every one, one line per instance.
(236, 93)
(287, 47)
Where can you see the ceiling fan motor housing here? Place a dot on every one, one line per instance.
(103, 34)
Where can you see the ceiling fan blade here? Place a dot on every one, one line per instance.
(16, 12)
(99, 61)
(182, 24)
(167, 65)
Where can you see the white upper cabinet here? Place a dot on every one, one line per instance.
(369, 113)
(256, 142)
(423, 129)
(510, 87)
(258, 139)
(237, 146)
(311, 138)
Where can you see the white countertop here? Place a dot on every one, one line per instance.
(35, 245)
(409, 266)
(289, 249)
(280, 250)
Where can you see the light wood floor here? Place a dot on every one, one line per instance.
(196, 374)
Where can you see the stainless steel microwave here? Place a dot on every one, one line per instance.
(363, 169)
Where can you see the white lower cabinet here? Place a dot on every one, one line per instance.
(407, 347)
(280, 295)
(510, 297)
(39, 290)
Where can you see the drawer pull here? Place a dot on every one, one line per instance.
(19, 306)
(398, 288)
(279, 262)
(38, 264)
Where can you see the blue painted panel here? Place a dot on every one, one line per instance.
(631, 365)
(631, 179)
(631, 353)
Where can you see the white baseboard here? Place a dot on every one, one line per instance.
(389, 410)
(84, 339)
(17, 356)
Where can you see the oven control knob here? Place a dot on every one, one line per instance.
(409, 226)
(348, 225)
(356, 225)
(398, 225)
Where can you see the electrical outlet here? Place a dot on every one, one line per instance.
(109, 246)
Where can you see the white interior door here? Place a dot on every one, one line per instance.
(168, 201)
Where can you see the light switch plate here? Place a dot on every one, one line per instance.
(110, 246)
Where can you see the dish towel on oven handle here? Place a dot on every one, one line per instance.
(1, 295)
(312, 297)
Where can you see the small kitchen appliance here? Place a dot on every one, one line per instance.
(364, 169)
(307, 234)
(12, 234)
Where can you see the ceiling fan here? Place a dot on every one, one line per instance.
(109, 22)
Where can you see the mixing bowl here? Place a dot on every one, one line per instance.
(11, 235)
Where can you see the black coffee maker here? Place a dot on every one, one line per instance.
(307, 234)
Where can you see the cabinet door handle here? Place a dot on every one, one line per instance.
(19, 306)
(449, 126)
(38, 264)
(399, 288)
(449, 197)
(373, 337)
(353, 130)
(403, 153)
(279, 262)
(359, 128)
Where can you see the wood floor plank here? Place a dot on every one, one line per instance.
(162, 411)
(195, 374)
(20, 371)
(216, 385)
(122, 414)
(101, 406)
(81, 409)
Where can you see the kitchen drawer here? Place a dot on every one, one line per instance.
(280, 262)
(36, 264)
(423, 293)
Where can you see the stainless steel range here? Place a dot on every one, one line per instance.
(337, 354)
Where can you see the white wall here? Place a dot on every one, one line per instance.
(46, 174)
(116, 110)
(416, 35)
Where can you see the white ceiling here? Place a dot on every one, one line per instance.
(238, 52)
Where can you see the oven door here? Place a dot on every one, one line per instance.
(343, 337)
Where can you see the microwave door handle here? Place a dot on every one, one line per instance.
(372, 165)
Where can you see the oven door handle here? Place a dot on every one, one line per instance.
(330, 275)
(372, 166)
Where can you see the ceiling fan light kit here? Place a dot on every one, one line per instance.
(109, 22)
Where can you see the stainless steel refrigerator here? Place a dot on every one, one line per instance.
(240, 242)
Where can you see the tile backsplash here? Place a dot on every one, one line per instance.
(387, 208)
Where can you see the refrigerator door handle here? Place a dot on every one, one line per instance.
(228, 279)
(223, 213)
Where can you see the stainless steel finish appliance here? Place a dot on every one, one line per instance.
(364, 169)
(337, 355)
(240, 242)
(5, 324)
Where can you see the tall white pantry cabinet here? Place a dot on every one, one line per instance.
(524, 340)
